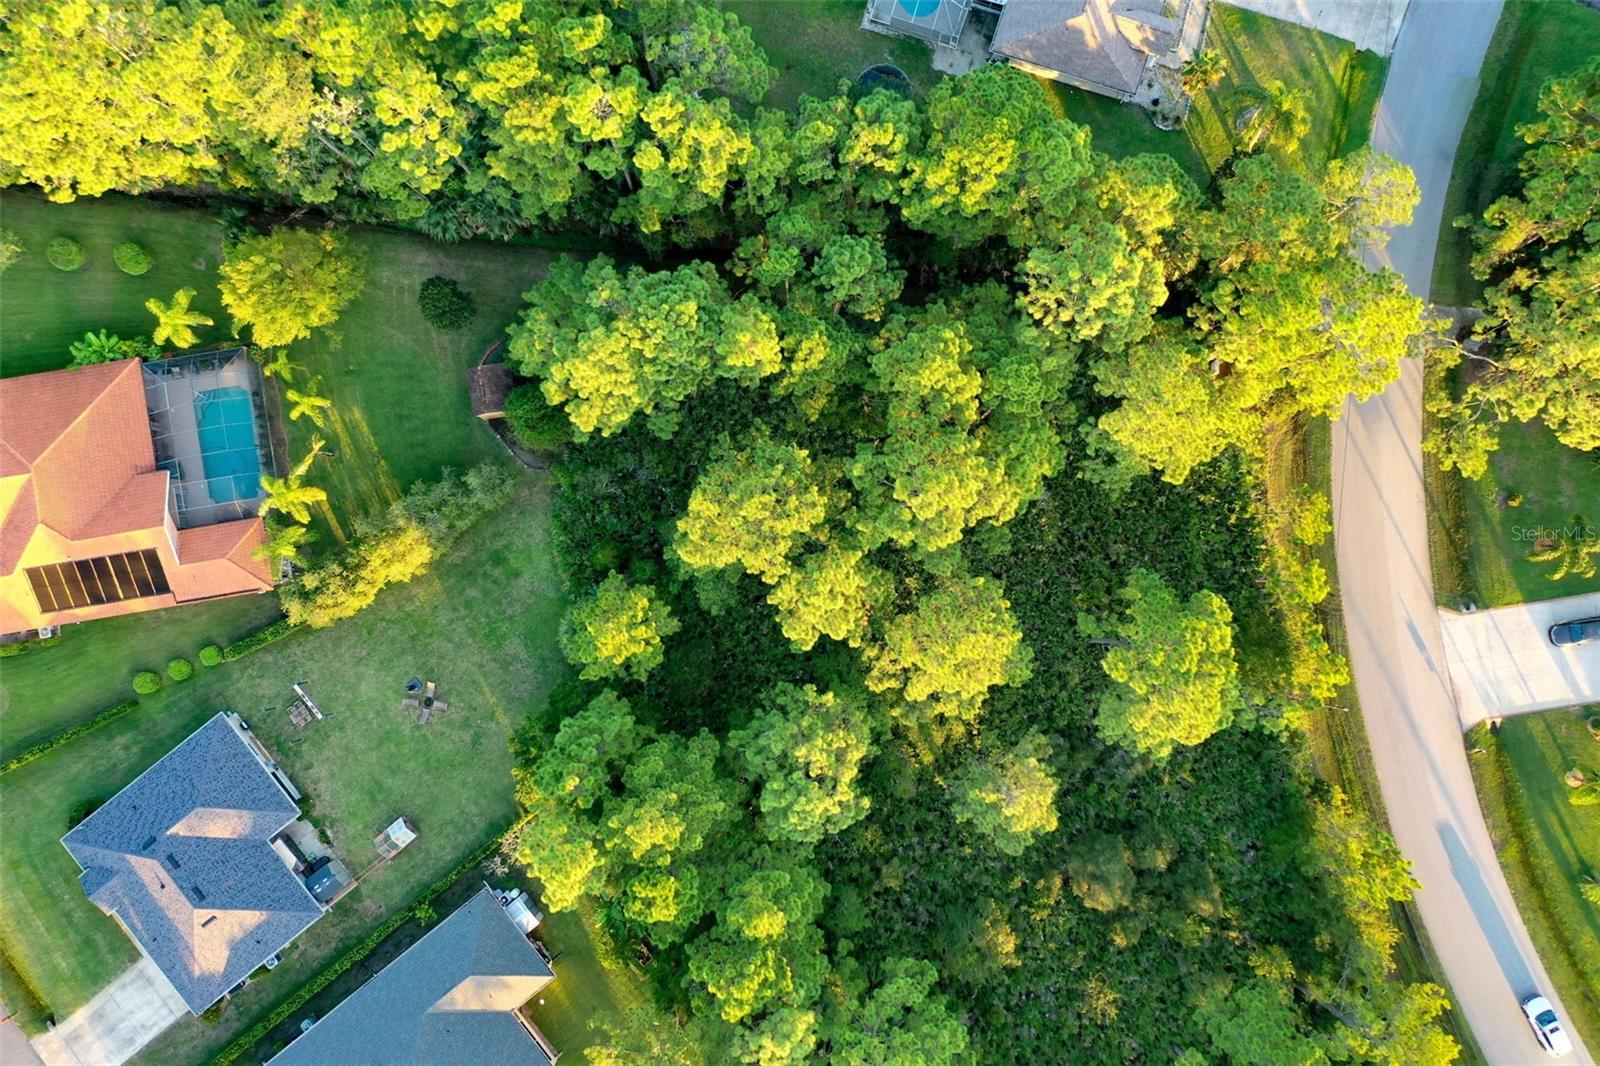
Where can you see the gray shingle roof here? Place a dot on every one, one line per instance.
(181, 857)
(449, 998)
(1084, 39)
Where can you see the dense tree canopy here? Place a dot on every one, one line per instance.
(864, 406)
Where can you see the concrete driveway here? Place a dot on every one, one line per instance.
(1502, 661)
(113, 1026)
(1369, 24)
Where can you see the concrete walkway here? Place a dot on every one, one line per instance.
(14, 1047)
(1502, 661)
(113, 1026)
(1397, 649)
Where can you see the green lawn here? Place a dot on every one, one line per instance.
(51, 689)
(814, 43)
(482, 623)
(1555, 482)
(43, 310)
(1535, 40)
(1547, 846)
(1343, 84)
(401, 412)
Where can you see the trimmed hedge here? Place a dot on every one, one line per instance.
(210, 655)
(109, 714)
(257, 640)
(64, 253)
(146, 682)
(300, 996)
(445, 304)
(180, 669)
(23, 647)
(131, 259)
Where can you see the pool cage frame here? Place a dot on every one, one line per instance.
(172, 388)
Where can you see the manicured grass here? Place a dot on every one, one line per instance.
(590, 979)
(398, 385)
(1121, 130)
(482, 623)
(51, 689)
(1547, 846)
(815, 43)
(1535, 40)
(1343, 84)
(1555, 482)
(43, 310)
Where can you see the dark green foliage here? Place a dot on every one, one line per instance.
(82, 811)
(445, 304)
(64, 253)
(22, 647)
(257, 640)
(537, 425)
(146, 682)
(109, 714)
(210, 655)
(180, 669)
(131, 259)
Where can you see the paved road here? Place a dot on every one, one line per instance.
(1502, 662)
(1396, 647)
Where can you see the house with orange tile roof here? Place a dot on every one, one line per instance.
(96, 520)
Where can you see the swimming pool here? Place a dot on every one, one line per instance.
(225, 422)
(918, 8)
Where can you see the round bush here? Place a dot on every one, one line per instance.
(445, 304)
(131, 259)
(64, 253)
(210, 655)
(146, 682)
(180, 669)
(534, 422)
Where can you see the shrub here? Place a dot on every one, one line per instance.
(180, 669)
(257, 640)
(289, 282)
(10, 249)
(146, 682)
(107, 715)
(22, 647)
(536, 423)
(210, 655)
(131, 259)
(445, 304)
(64, 253)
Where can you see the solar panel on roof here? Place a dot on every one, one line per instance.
(103, 579)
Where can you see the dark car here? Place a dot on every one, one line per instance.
(1566, 634)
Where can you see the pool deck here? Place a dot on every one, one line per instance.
(171, 387)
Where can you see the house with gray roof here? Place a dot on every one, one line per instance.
(1105, 46)
(184, 859)
(452, 997)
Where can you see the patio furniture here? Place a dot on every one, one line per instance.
(410, 703)
(427, 693)
(299, 714)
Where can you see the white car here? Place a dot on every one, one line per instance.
(1547, 1028)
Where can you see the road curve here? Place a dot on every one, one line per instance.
(1381, 535)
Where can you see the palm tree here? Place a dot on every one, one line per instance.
(95, 348)
(1272, 116)
(1572, 550)
(308, 403)
(289, 494)
(282, 543)
(175, 322)
(280, 365)
(1206, 69)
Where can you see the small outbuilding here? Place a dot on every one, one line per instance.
(489, 384)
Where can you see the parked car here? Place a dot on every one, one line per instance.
(1547, 1028)
(1566, 634)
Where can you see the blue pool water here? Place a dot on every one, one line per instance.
(226, 425)
(918, 8)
